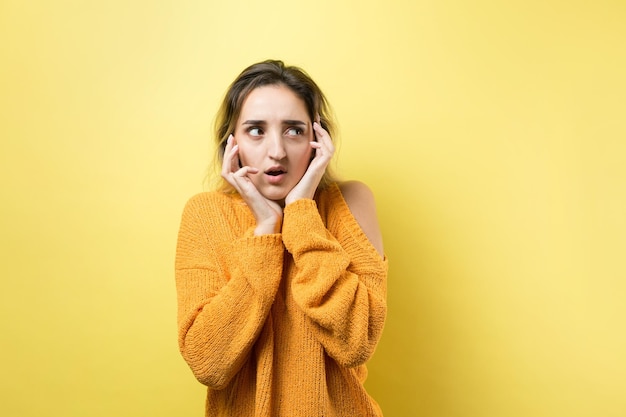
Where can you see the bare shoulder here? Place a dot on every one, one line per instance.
(362, 204)
(356, 193)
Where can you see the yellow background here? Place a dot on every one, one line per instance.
(493, 134)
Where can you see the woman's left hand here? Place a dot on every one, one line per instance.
(324, 150)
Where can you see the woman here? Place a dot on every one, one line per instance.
(280, 273)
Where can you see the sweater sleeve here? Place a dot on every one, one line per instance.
(340, 286)
(225, 289)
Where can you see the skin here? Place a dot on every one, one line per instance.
(275, 134)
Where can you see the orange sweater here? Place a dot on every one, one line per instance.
(280, 324)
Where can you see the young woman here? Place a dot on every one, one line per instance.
(280, 273)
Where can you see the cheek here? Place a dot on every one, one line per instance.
(304, 159)
(242, 158)
(246, 156)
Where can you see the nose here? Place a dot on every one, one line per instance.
(276, 147)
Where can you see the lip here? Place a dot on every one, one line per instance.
(276, 168)
(275, 179)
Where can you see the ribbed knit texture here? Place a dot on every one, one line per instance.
(281, 324)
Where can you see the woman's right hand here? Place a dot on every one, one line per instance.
(268, 214)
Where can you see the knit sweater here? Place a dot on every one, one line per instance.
(279, 324)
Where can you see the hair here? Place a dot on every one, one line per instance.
(268, 73)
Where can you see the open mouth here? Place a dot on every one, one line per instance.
(275, 172)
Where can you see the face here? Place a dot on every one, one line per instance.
(274, 134)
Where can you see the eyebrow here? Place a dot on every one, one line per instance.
(285, 122)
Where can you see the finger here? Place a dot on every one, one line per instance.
(324, 138)
(314, 150)
(317, 133)
(229, 143)
(244, 171)
(319, 162)
(234, 159)
(228, 156)
(238, 179)
(231, 159)
(241, 177)
(320, 132)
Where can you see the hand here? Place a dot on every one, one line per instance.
(324, 150)
(268, 214)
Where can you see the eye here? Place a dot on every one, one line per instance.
(294, 131)
(255, 131)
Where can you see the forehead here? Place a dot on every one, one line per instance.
(273, 102)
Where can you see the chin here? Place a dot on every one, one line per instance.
(276, 195)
